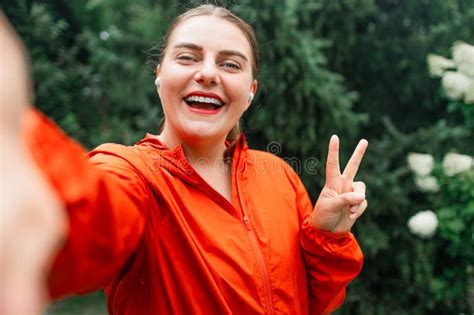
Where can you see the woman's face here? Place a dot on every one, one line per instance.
(205, 79)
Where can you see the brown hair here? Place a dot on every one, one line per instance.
(247, 30)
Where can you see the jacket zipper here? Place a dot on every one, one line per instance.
(258, 254)
(250, 232)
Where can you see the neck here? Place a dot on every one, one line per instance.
(202, 154)
(206, 158)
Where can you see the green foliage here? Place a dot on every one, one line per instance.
(301, 102)
(92, 304)
(352, 67)
(382, 56)
(465, 110)
(88, 65)
(443, 265)
(455, 209)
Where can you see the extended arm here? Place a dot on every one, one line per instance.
(107, 204)
(31, 218)
(332, 255)
(332, 259)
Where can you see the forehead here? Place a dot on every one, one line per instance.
(212, 33)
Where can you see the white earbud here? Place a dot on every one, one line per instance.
(157, 81)
(251, 96)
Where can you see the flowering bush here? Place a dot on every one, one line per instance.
(423, 224)
(454, 163)
(442, 241)
(421, 164)
(427, 183)
(457, 79)
(455, 209)
(449, 186)
(457, 84)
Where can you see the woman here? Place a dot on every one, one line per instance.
(191, 221)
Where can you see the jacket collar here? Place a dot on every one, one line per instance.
(175, 161)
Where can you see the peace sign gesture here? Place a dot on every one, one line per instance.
(342, 200)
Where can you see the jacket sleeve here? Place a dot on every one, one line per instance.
(106, 200)
(332, 260)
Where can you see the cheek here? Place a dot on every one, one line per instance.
(174, 76)
(171, 88)
(241, 97)
(239, 88)
(170, 84)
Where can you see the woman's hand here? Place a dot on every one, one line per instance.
(15, 87)
(342, 200)
(32, 221)
(32, 225)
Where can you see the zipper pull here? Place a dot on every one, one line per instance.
(247, 221)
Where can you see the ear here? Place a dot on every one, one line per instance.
(253, 89)
(157, 72)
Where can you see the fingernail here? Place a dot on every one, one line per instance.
(354, 209)
(360, 196)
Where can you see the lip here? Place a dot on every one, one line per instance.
(205, 111)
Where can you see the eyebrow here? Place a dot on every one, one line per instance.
(222, 52)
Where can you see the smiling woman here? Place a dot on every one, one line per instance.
(248, 57)
(198, 65)
(170, 226)
(221, 68)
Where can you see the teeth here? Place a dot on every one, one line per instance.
(202, 99)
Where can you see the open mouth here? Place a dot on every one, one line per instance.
(203, 103)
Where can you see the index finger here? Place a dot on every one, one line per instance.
(332, 163)
(353, 165)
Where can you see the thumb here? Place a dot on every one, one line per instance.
(349, 199)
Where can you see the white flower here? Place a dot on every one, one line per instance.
(427, 183)
(455, 84)
(438, 64)
(421, 164)
(423, 224)
(467, 69)
(469, 96)
(455, 163)
(104, 35)
(463, 55)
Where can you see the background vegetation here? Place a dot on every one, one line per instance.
(356, 68)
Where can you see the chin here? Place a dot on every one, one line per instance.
(202, 132)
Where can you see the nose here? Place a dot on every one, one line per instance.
(207, 74)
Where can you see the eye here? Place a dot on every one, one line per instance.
(231, 65)
(186, 58)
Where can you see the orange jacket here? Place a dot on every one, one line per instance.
(148, 228)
